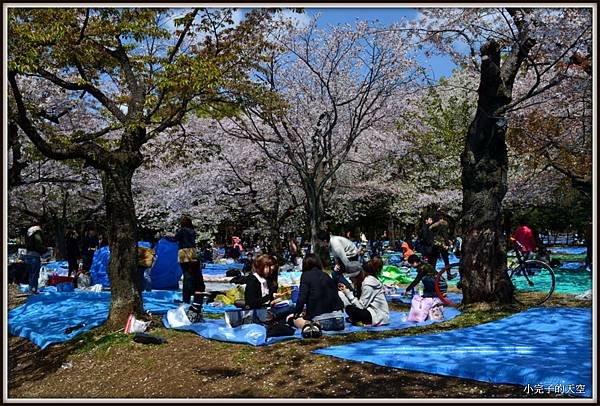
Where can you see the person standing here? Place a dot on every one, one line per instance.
(441, 243)
(344, 253)
(293, 249)
(89, 245)
(425, 246)
(72, 252)
(425, 274)
(34, 243)
(193, 281)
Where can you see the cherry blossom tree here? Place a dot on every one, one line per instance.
(525, 53)
(134, 77)
(332, 87)
(51, 192)
(216, 180)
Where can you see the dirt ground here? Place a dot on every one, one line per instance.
(97, 365)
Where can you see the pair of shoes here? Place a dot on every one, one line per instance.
(311, 330)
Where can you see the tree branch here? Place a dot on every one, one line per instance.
(94, 91)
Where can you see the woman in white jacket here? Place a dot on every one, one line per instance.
(370, 307)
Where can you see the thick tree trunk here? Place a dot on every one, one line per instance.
(484, 180)
(60, 245)
(122, 237)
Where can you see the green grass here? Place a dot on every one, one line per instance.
(100, 340)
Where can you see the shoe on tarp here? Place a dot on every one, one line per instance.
(311, 330)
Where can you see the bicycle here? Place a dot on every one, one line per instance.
(534, 280)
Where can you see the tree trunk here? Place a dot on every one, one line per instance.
(314, 221)
(122, 269)
(484, 179)
(60, 252)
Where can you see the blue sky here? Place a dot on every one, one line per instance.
(440, 65)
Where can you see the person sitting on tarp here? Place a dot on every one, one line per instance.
(425, 273)
(145, 261)
(319, 294)
(261, 290)
(248, 262)
(371, 306)
(344, 253)
(207, 254)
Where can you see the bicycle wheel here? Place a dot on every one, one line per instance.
(442, 285)
(534, 282)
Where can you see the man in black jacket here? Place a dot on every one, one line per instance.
(34, 242)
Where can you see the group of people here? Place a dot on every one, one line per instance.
(76, 249)
(322, 299)
(353, 287)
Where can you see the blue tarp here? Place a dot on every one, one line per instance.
(166, 272)
(255, 334)
(542, 346)
(99, 268)
(572, 282)
(55, 265)
(44, 318)
(568, 250)
(572, 265)
(220, 269)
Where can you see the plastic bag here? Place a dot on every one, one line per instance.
(178, 317)
(419, 308)
(96, 288)
(135, 326)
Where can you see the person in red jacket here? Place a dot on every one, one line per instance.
(525, 239)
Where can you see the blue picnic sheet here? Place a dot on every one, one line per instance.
(45, 316)
(218, 269)
(255, 334)
(568, 250)
(551, 347)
